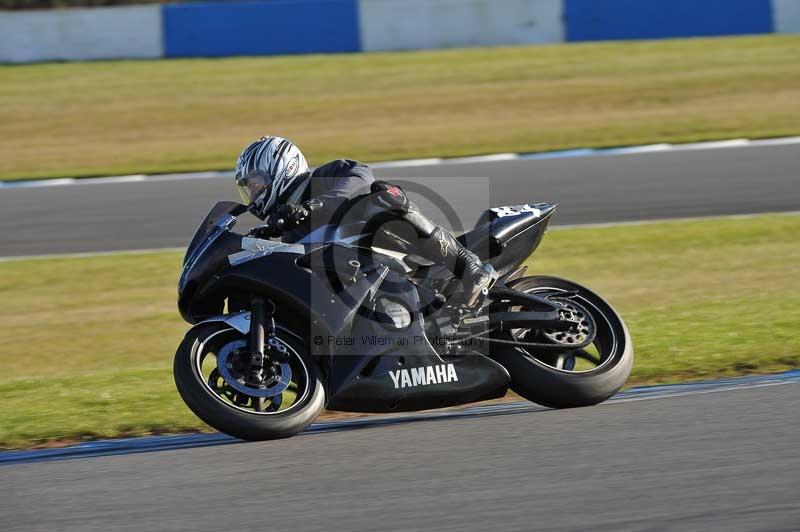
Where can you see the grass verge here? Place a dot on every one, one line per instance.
(88, 342)
(121, 117)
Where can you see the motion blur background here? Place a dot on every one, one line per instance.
(133, 90)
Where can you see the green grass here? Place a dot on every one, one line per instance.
(81, 119)
(702, 299)
(88, 342)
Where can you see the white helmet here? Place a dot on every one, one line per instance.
(265, 170)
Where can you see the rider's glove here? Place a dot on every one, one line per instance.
(264, 232)
(288, 217)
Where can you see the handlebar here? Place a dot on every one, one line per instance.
(278, 227)
(267, 231)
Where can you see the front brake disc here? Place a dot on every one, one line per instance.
(227, 370)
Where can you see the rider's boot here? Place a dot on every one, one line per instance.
(438, 245)
(443, 248)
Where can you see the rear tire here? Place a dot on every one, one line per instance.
(225, 416)
(549, 386)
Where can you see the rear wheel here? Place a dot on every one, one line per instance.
(562, 377)
(210, 373)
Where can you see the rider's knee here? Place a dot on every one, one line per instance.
(390, 197)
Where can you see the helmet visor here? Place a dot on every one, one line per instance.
(252, 185)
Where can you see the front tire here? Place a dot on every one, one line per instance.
(537, 378)
(229, 412)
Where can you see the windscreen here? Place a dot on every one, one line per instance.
(210, 224)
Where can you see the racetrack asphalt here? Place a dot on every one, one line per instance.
(597, 189)
(717, 461)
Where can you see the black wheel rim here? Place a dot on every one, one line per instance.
(594, 357)
(216, 367)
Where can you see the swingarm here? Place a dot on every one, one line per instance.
(537, 312)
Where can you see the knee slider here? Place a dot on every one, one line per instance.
(389, 196)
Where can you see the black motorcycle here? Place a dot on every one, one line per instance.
(346, 320)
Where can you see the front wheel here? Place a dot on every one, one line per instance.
(561, 377)
(209, 367)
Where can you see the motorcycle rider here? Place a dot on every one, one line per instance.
(274, 179)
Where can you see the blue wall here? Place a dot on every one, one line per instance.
(269, 27)
(598, 20)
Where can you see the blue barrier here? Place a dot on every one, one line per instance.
(218, 29)
(273, 27)
(599, 20)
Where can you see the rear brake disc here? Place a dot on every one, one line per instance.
(582, 333)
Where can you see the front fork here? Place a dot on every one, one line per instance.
(262, 337)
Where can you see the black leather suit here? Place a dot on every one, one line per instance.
(345, 189)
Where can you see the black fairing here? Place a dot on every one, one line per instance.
(361, 380)
(506, 240)
(331, 295)
(358, 351)
(206, 255)
(297, 292)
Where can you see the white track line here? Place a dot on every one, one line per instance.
(122, 446)
(85, 254)
(497, 157)
(731, 388)
(88, 254)
(672, 220)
